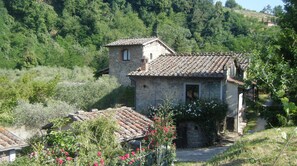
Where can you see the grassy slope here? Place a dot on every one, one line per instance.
(253, 14)
(262, 148)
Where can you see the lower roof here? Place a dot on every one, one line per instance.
(195, 65)
(132, 125)
(9, 141)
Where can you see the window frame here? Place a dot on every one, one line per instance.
(185, 90)
(126, 55)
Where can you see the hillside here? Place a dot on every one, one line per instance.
(257, 15)
(71, 33)
(269, 147)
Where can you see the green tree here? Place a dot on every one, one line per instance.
(231, 4)
(278, 11)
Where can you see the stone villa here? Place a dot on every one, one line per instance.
(158, 73)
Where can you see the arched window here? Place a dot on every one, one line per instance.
(126, 55)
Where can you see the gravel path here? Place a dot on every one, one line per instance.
(196, 155)
(205, 154)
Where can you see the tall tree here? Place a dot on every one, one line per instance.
(231, 4)
(277, 63)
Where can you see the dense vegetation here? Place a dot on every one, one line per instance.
(94, 142)
(32, 97)
(274, 68)
(72, 33)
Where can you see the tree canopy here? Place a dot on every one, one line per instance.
(72, 33)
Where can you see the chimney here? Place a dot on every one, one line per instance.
(144, 63)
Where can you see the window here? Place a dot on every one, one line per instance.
(151, 56)
(126, 55)
(192, 92)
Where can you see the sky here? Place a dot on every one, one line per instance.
(257, 5)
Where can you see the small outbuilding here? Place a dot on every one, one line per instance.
(132, 125)
(9, 145)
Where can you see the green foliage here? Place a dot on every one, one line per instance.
(231, 4)
(98, 135)
(101, 93)
(26, 95)
(274, 66)
(208, 114)
(39, 114)
(290, 113)
(268, 147)
(161, 135)
(23, 88)
(73, 32)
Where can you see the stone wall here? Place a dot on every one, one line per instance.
(151, 91)
(190, 135)
(155, 49)
(119, 68)
(195, 136)
(232, 101)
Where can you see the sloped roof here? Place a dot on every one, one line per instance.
(9, 141)
(194, 65)
(138, 41)
(132, 125)
(242, 60)
(132, 41)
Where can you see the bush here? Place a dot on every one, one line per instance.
(45, 73)
(39, 114)
(161, 135)
(87, 143)
(102, 93)
(207, 113)
(22, 88)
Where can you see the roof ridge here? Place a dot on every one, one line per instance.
(138, 38)
(206, 54)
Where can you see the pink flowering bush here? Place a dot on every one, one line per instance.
(94, 143)
(160, 136)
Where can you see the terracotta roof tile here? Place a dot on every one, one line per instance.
(194, 65)
(132, 41)
(132, 125)
(242, 60)
(9, 141)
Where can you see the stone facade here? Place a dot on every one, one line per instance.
(190, 135)
(120, 68)
(151, 91)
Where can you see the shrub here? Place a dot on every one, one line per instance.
(45, 73)
(23, 88)
(39, 114)
(102, 93)
(161, 135)
(207, 113)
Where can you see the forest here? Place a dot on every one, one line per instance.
(69, 33)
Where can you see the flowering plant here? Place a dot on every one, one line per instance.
(160, 136)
